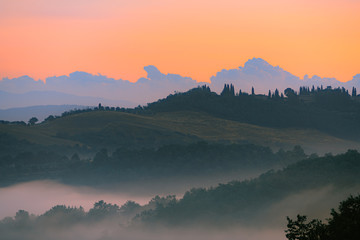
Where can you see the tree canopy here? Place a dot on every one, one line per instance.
(344, 224)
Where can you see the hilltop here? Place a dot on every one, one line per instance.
(102, 144)
(82, 88)
(111, 129)
(320, 120)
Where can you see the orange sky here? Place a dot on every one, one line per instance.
(117, 38)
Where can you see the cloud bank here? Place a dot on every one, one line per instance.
(80, 87)
(263, 77)
(72, 89)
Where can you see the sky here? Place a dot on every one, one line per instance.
(194, 38)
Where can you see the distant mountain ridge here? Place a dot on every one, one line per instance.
(37, 98)
(40, 112)
(255, 73)
(82, 84)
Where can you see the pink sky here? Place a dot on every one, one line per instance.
(117, 38)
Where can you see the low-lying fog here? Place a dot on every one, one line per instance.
(39, 196)
(106, 231)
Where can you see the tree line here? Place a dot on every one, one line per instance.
(343, 224)
(229, 204)
(23, 161)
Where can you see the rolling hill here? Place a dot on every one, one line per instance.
(111, 129)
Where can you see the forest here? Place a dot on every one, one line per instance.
(273, 149)
(226, 205)
(23, 161)
(331, 110)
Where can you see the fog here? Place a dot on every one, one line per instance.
(107, 231)
(270, 223)
(39, 196)
(315, 203)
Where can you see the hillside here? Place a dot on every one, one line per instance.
(112, 129)
(332, 111)
(320, 120)
(251, 201)
(199, 161)
(108, 144)
(313, 185)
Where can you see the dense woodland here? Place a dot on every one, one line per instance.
(334, 111)
(236, 202)
(22, 161)
(121, 152)
(245, 201)
(344, 224)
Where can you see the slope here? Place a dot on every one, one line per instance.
(112, 129)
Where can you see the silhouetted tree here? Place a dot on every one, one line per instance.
(100, 107)
(299, 229)
(102, 210)
(232, 90)
(289, 93)
(129, 208)
(49, 118)
(32, 121)
(21, 216)
(353, 92)
(228, 90)
(276, 93)
(344, 225)
(61, 215)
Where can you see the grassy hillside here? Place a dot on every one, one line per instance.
(114, 129)
(332, 111)
(320, 120)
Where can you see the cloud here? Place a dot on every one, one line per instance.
(255, 73)
(354, 82)
(263, 77)
(21, 84)
(318, 81)
(41, 98)
(156, 85)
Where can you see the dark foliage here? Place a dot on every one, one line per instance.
(343, 224)
(333, 111)
(232, 203)
(329, 110)
(32, 162)
(239, 201)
